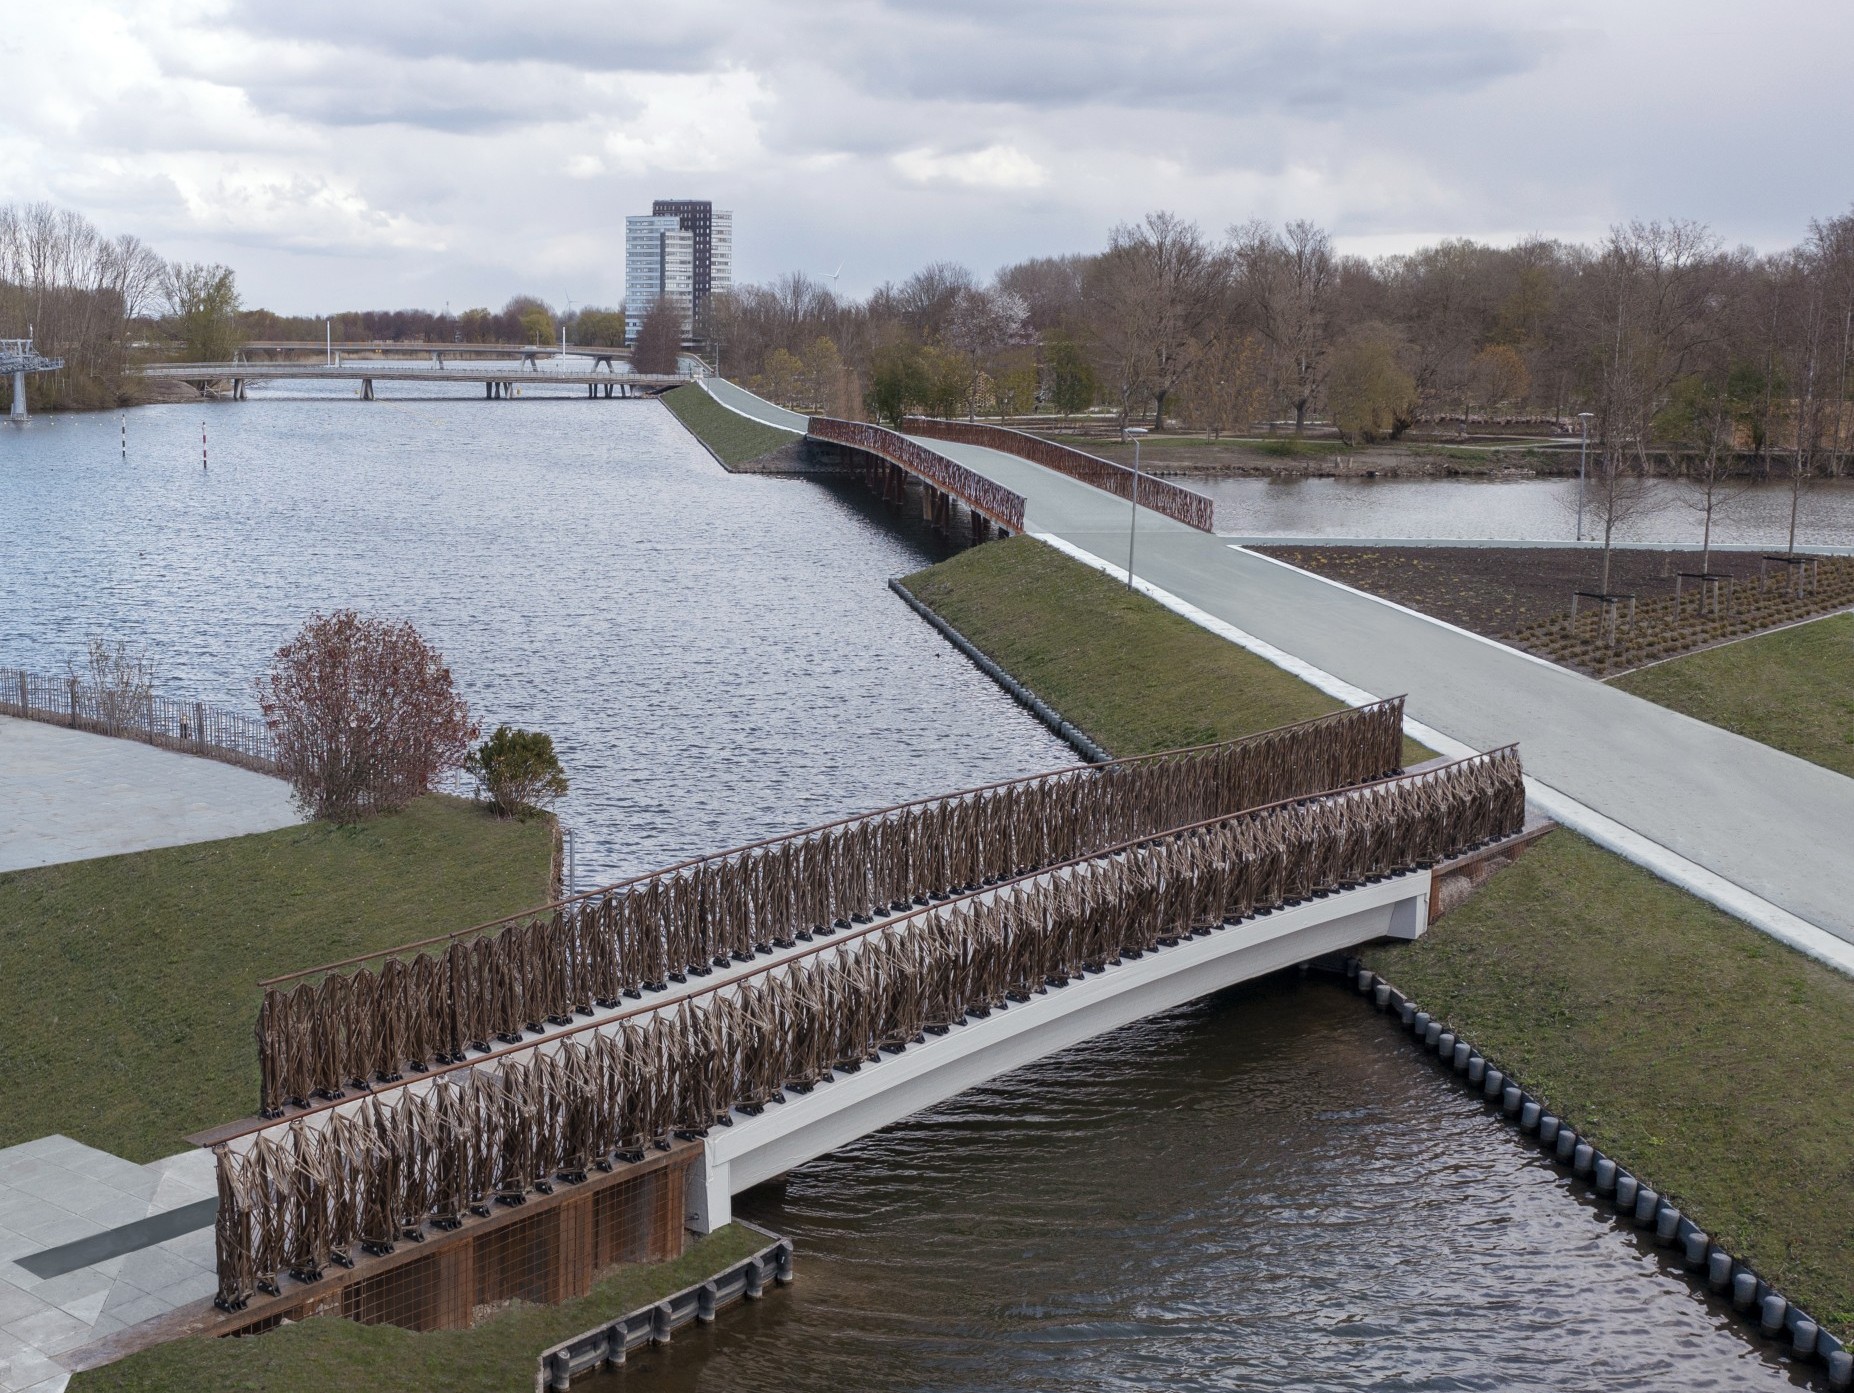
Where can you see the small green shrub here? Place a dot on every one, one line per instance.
(518, 771)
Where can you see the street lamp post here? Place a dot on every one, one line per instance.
(1583, 462)
(1133, 522)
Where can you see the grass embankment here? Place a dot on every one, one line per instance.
(129, 982)
(1704, 1056)
(327, 1352)
(1133, 675)
(1793, 689)
(733, 438)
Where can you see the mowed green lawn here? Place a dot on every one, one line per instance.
(1133, 675)
(732, 437)
(1793, 689)
(129, 983)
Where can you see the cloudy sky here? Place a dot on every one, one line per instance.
(348, 153)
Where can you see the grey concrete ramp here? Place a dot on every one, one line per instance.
(1777, 826)
(68, 795)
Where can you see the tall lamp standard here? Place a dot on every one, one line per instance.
(1133, 522)
(1583, 463)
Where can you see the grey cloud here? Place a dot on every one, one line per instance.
(577, 34)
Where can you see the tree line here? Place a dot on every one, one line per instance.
(1675, 344)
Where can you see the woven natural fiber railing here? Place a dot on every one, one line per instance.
(1160, 495)
(973, 489)
(191, 726)
(428, 1001)
(297, 1196)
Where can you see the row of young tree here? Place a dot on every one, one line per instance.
(524, 319)
(1677, 345)
(90, 299)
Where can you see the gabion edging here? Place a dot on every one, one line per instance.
(1704, 1262)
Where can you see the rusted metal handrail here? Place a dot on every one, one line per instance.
(978, 493)
(1160, 495)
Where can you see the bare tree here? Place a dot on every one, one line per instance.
(121, 681)
(982, 324)
(1287, 281)
(365, 715)
(1158, 297)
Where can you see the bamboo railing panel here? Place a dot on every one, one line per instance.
(426, 1003)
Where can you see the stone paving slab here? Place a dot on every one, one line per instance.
(56, 1190)
(68, 795)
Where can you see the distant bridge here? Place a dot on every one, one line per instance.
(497, 379)
(528, 354)
(18, 357)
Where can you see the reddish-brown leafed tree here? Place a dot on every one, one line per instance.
(364, 714)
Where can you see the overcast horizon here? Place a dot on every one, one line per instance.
(418, 155)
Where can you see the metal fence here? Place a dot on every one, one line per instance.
(1162, 496)
(427, 1002)
(973, 489)
(191, 726)
(298, 1193)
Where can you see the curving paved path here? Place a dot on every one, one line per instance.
(1756, 819)
(68, 795)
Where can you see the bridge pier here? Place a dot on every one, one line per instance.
(18, 411)
(366, 389)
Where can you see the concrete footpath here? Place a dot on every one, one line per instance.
(1765, 826)
(68, 795)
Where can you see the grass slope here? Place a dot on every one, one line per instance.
(1713, 1061)
(497, 1356)
(129, 982)
(1135, 676)
(1793, 689)
(733, 438)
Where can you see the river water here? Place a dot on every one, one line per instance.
(1266, 1189)
(1520, 509)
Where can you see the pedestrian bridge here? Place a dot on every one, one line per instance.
(498, 379)
(776, 1001)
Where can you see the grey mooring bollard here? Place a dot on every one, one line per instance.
(616, 1338)
(1477, 1071)
(1583, 1158)
(1802, 1338)
(1529, 1115)
(1366, 981)
(1841, 1369)
(1627, 1187)
(1647, 1201)
(1566, 1147)
(1511, 1100)
(1548, 1130)
(1494, 1084)
(1718, 1269)
(1695, 1250)
(1420, 1023)
(1407, 1013)
(1605, 1174)
(1431, 1033)
(705, 1303)
(1771, 1314)
(559, 1373)
(1666, 1224)
(1444, 1042)
(1380, 995)
(1744, 1291)
(1459, 1056)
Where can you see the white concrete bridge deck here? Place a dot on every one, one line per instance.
(1764, 834)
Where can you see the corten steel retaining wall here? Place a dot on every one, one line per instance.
(1160, 495)
(188, 726)
(420, 1007)
(971, 488)
(551, 1247)
(292, 1194)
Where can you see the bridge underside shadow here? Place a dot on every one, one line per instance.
(846, 1107)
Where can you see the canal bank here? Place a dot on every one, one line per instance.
(1709, 1059)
